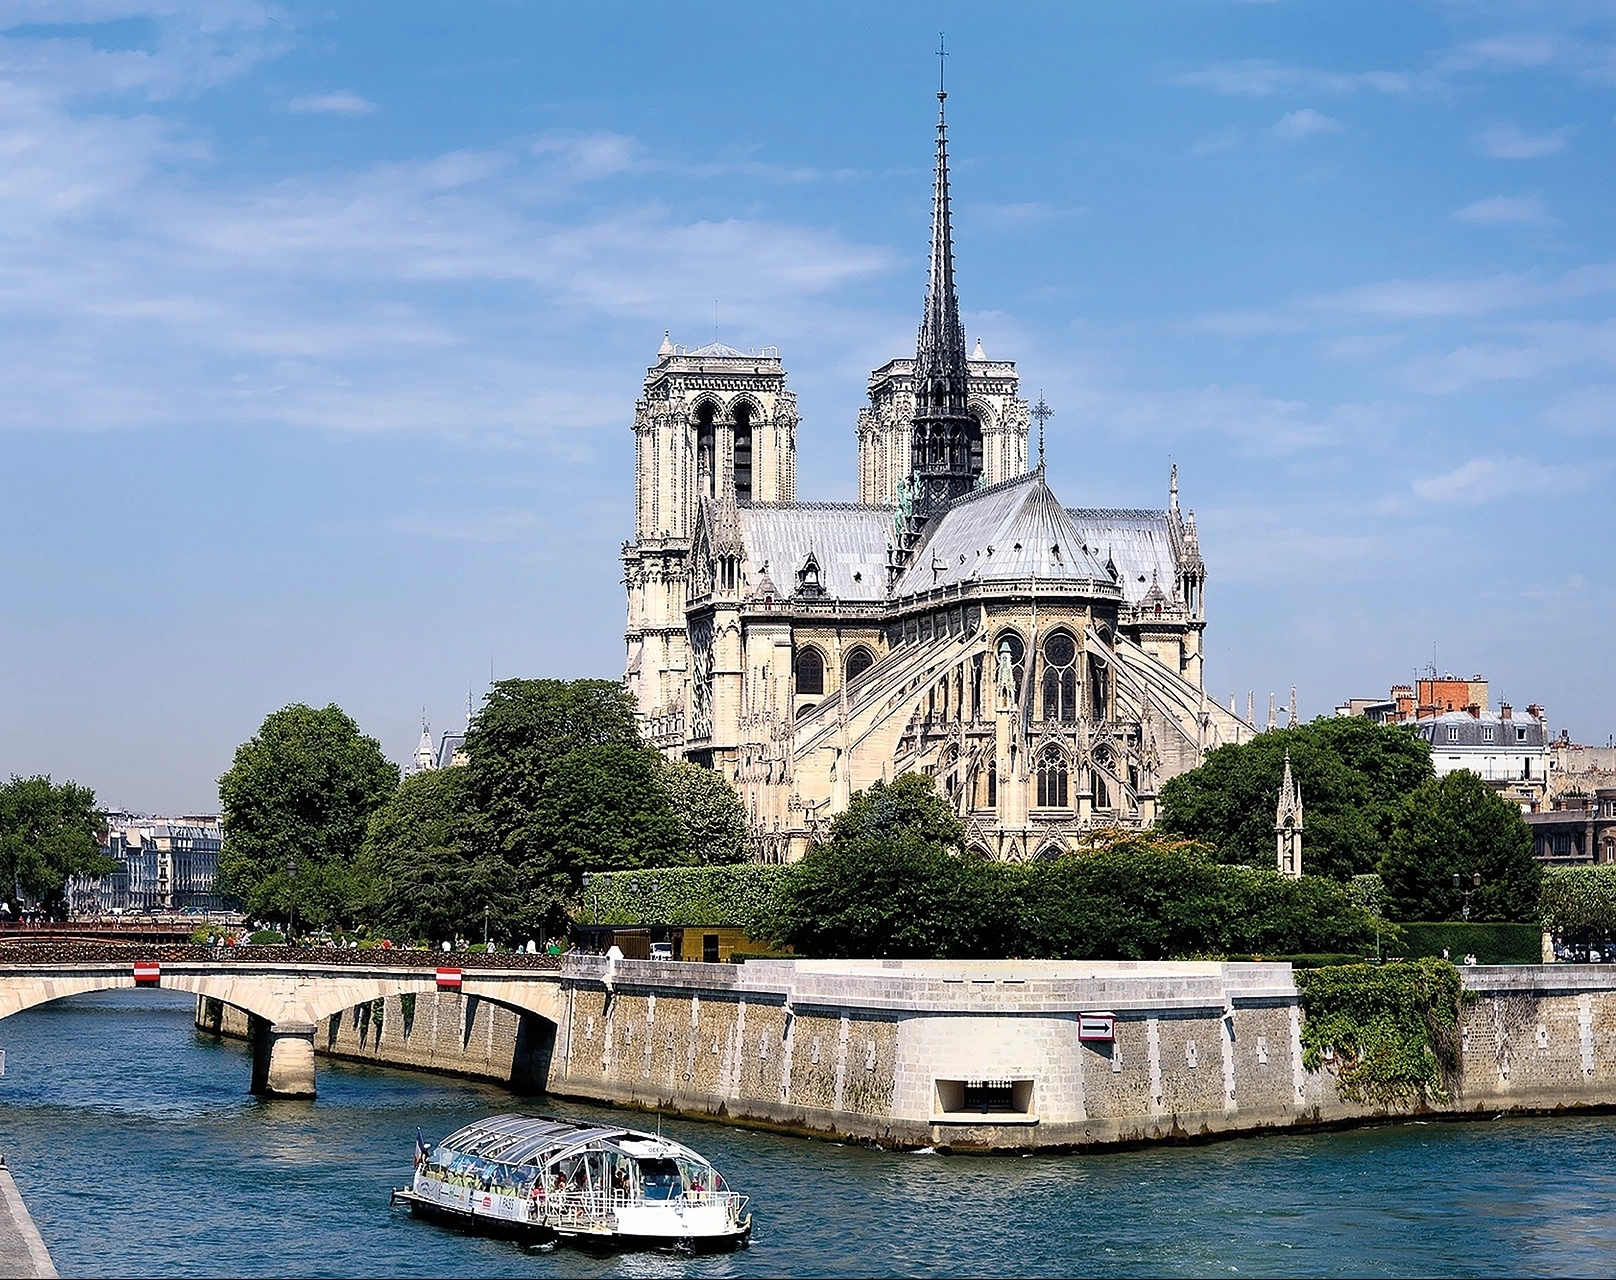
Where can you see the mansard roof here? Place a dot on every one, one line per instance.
(848, 541)
(1010, 531)
(1139, 541)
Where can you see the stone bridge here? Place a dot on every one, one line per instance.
(285, 992)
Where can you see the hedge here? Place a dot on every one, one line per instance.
(741, 895)
(1491, 943)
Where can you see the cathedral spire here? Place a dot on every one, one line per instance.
(942, 336)
(947, 450)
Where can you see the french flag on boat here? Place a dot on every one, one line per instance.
(421, 1149)
(148, 973)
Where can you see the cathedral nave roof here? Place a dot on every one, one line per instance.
(1140, 542)
(849, 542)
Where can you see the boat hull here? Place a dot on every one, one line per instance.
(540, 1233)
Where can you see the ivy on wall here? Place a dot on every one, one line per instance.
(1390, 1032)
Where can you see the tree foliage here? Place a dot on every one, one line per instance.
(1579, 900)
(523, 731)
(48, 833)
(887, 884)
(424, 880)
(1352, 774)
(1458, 825)
(909, 807)
(711, 820)
(297, 800)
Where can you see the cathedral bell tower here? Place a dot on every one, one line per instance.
(947, 440)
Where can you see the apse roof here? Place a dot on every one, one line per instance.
(1013, 530)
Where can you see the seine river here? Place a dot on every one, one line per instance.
(140, 1152)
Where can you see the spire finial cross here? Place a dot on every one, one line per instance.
(1043, 413)
(941, 54)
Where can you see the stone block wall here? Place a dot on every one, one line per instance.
(874, 1050)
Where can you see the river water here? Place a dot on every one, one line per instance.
(140, 1152)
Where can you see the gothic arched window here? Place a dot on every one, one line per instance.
(706, 466)
(1012, 653)
(973, 446)
(810, 671)
(858, 662)
(1052, 779)
(743, 452)
(1060, 677)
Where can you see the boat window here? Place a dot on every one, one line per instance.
(662, 1179)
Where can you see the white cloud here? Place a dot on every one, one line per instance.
(1588, 410)
(1488, 479)
(1261, 78)
(343, 102)
(1300, 124)
(1544, 348)
(1511, 142)
(1432, 299)
(1529, 210)
(1024, 214)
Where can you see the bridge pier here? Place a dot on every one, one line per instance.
(283, 1058)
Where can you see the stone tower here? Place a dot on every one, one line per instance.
(709, 419)
(1288, 825)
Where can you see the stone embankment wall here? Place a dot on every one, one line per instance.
(893, 1051)
(440, 1031)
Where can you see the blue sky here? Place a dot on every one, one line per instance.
(321, 327)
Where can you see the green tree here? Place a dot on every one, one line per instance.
(1352, 774)
(907, 806)
(604, 809)
(898, 896)
(425, 880)
(1458, 825)
(708, 811)
(525, 728)
(297, 799)
(48, 833)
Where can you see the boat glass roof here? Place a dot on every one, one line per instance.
(513, 1139)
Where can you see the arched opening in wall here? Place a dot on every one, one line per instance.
(973, 447)
(1102, 788)
(743, 452)
(993, 784)
(858, 662)
(1060, 677)
(810, 671)
(1052, 779)
(706, 460)
(1099, 688)
(1011, 658)
(806, 710)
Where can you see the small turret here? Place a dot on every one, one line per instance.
(424, 758)
(1288, 825)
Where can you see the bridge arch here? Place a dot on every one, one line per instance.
(284, 1003)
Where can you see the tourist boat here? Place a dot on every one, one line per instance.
(550, 1179)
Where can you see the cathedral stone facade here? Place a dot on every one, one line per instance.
(1043, 663)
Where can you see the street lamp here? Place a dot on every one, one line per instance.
(486, 909)
(1475, 883)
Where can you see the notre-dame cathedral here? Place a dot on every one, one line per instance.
(1041, 662)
